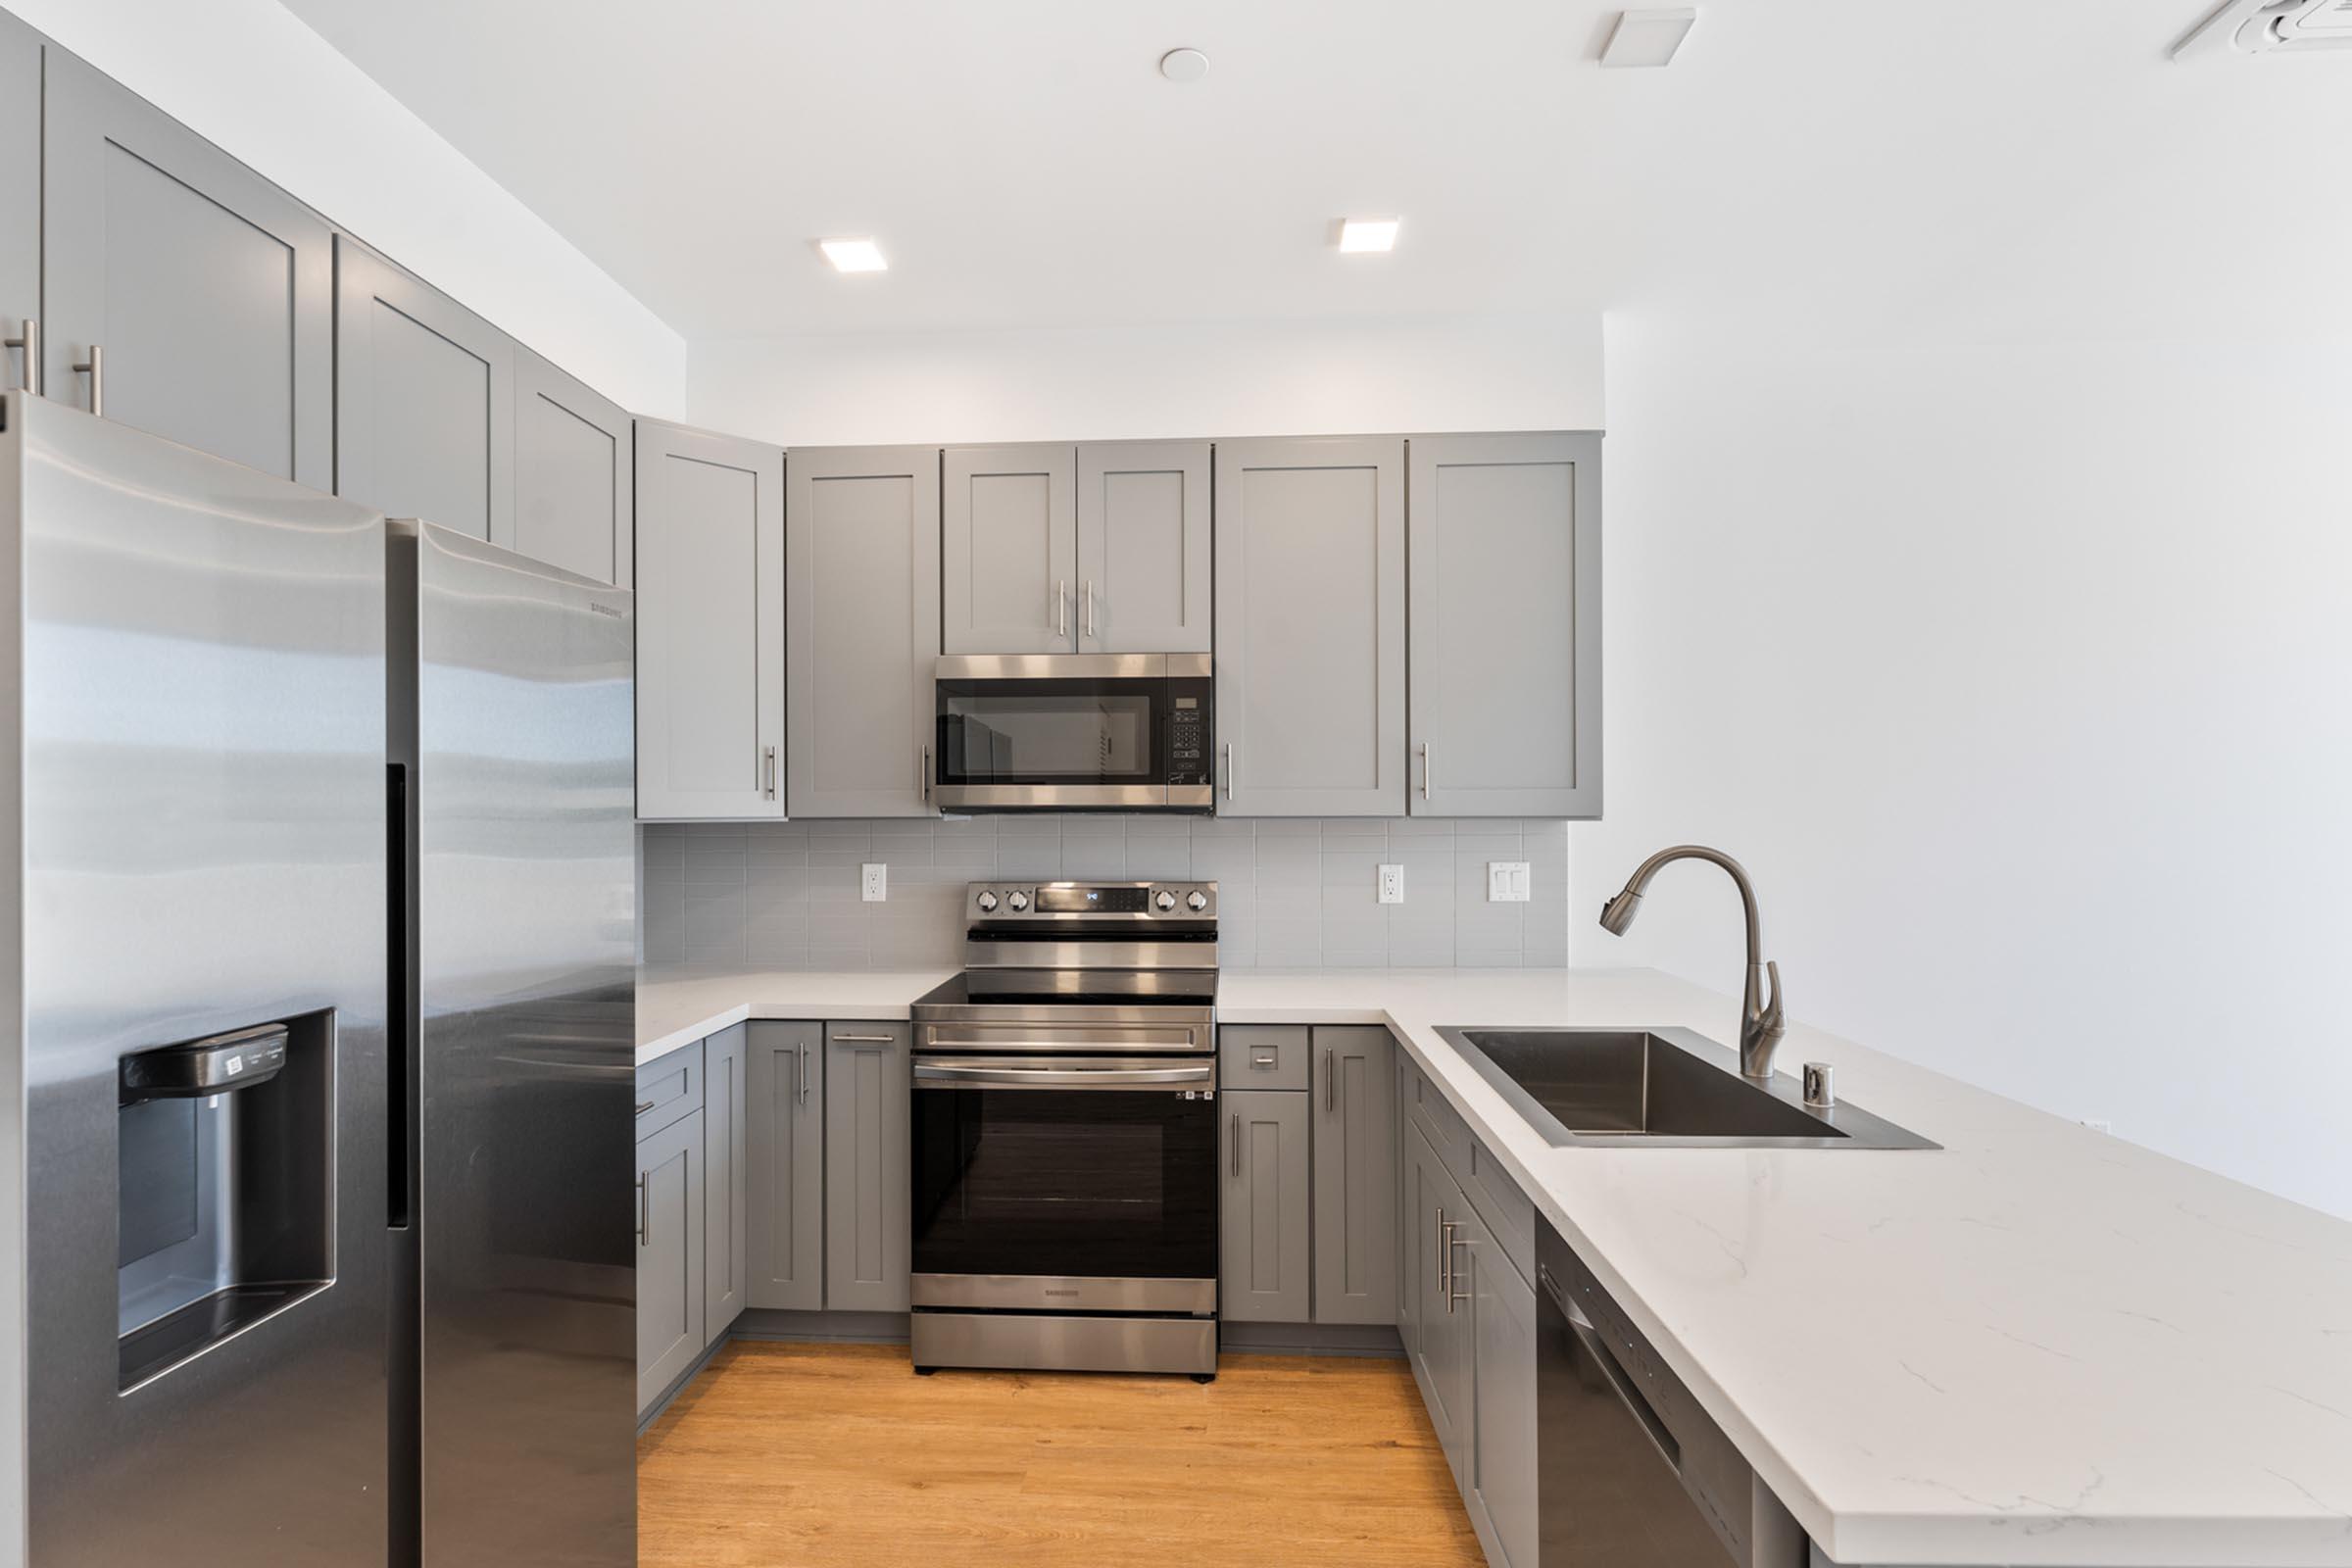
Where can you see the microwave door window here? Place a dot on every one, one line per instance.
(1041, 737)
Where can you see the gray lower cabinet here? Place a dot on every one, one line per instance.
(863, 574)
(191, 293)
(1144, 548)
(726, 1180)
(574, 465)
(1505, 610)
(20, 201)
(1501, 1308)
(1009, 560)
(870, 1070)
(709, 568)
(1311, 601)
(1438, 1347)
(1265, 1245)
(424, 411)
(670, 1326)
(785, 1142)
(1355, 1111)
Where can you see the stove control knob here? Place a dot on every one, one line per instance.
(1163, 901)
(987, 902)
(1196, 901)
(1017, 901)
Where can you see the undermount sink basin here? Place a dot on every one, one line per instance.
(1658, 1089)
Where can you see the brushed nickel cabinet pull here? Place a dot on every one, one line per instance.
(1453, 1275)
(1237, 1143)
(925, 778)
(644, 1105)
(865, 1040)
(1445, 1255)
(1425, 771)
(804, 1054)
(95, 368)
(31, 343)
(1331, 1086)
(1089, 606)
(1062, 607)
(769, 765)
(645, 1213)
(1229, 771)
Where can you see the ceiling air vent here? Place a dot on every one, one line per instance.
(2266, 26)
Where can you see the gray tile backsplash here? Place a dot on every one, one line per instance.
(1292, 892)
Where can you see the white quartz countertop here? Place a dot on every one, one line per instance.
(2037, 1346)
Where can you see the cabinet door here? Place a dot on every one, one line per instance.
(1310, 627)
(1010, 548)
(210, 291)
(861, 539)
(869, 1227)
(1505, 598)
(1356, 1175)
(20, 199)
(1501, 1312)
(669, 1255)
(709, 624)
(785, 1141)
(1440, 1357)
(424, 411)
(573, 460)
(1400, 1203)
(1143, 547)
(1264, 1246)
(726, 1179)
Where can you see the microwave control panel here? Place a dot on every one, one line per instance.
(1188, 736)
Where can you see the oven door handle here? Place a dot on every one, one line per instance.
(960, 1075)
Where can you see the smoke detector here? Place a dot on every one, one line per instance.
(2267, 26)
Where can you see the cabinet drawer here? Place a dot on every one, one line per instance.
(1256, 1055)
(670, 1087)
(1439, 1121)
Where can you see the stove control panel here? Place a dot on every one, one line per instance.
(1092, 900)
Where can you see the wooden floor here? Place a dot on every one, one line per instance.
(810, 1455)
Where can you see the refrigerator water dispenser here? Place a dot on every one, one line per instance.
(225, 1199)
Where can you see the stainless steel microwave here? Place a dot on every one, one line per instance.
(1074, 732)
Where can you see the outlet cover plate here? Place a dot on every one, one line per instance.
(1506, 881)
(877, 881)
(1391, 884)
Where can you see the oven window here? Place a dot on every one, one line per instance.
(1099, 1183)
(1049, 732)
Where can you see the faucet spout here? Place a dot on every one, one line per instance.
(1762, 1019)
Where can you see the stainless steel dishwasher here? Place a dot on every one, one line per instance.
(1631, 1472)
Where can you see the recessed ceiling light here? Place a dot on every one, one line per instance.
(1649, 38)
(854, 255)
(1359, 234)
(1184, 64)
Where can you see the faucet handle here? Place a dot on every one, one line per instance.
(1775, 1017)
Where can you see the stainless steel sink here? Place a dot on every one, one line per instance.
(1658, 1089)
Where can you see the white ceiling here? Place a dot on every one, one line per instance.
(2009, 166)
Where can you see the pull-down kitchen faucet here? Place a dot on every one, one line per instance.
(1761, 1022)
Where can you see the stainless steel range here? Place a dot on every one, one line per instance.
(1066, 1133)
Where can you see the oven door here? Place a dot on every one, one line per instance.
(1074, 732)
(1065, 1183)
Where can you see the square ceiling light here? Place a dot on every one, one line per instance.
(1364, 235)
(854, 255)
(1649, 38)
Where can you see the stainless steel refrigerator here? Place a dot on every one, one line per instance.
(315, 930)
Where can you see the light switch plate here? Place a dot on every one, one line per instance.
(877, 881)
(1506, 881)
(1391, 884)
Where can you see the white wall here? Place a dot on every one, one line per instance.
(1238, 379)
(251, 77)
(2018, 677)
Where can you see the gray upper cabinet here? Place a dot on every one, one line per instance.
(785, 1142)
(424, 414)
(869, 1223)
(709, 624)
(1009, 549)
(1505, 598)
(725, 1180)
(1264, 1275)
(861, 548)
(1355, 1103)
(203, 293)
(671, 1327)
(1310, 626)
(574, 459)
(1144, 548)
(20, 199)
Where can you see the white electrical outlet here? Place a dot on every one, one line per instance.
(1391, 884)
(1506, 881)
(877, 881)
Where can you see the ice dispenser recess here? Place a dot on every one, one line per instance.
(224, 1203)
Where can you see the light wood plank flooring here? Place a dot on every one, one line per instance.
(812, 1455)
